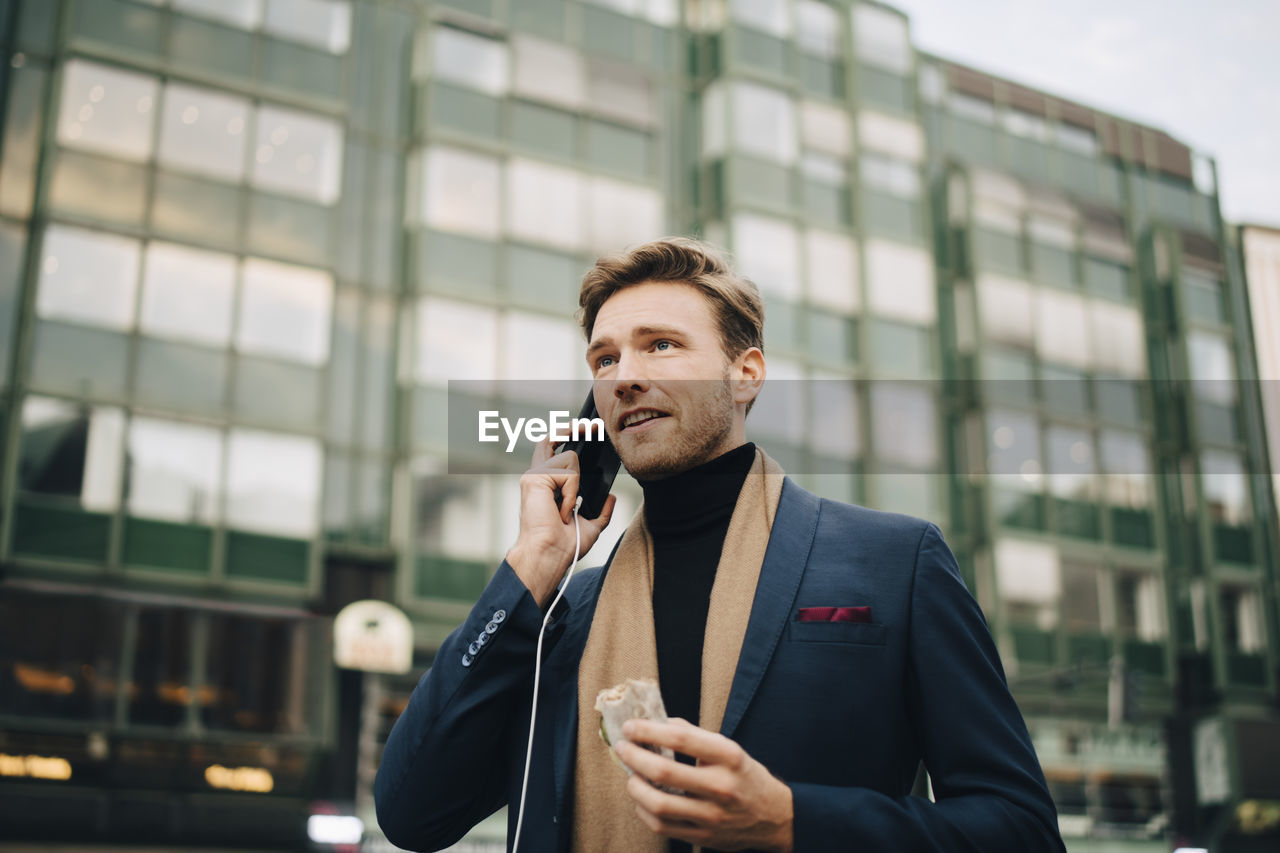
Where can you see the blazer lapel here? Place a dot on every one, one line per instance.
(790, 541)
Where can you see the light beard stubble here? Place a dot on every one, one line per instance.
(697, 441)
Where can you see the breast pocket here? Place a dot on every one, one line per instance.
(859, 633)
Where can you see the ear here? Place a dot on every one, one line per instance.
(746, 375)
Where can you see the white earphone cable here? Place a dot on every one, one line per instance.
(537, 670)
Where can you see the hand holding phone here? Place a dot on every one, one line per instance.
(598, 464)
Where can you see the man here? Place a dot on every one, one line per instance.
(817, 651)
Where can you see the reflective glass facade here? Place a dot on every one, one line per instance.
(246, 245)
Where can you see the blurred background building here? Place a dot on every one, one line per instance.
(244, 244)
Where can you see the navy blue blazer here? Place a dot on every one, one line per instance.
(842, 711)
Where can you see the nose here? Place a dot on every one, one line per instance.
(629, 376)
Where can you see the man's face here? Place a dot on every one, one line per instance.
(663, 380)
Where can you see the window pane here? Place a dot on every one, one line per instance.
(1106, 278)
(273, 483)
(543, 130)
(201, 131)
(1078, 139)
(1081, 611)
(833, 422)
(1210, 361)
(971, 108)
(539, 347)
(1124, 460)
(764, 122)
(623, 150)
(900, 282)
(621, 215)
(88, 277)
(831, 271)
(767, 251)
(1139, 605)
(161, 668)
(298, 154)
(1061, 328)
(463, 192)
(325, 24)
(901, 350)
(67, 673)
(23, 125)
(880, 38)
(13, 244)
(107, 111)
(545, 204)
(826, 128)
(455, 340)
(904, 424)
(818, 28)
(1117, 344)
(1013, 449)
(891, 136)
(897, 177)
(259, 674)
(79, 360)
(621, 93)
(274, 394)
(538, 278)
(187, 294)
(285, 311)
(453, 515)
(180, 377)
(72, 450)
(470, 60)
(769, 16)
(1025, 124)
(546, 71)
(1226, 488)
(173, 471)
(1243, 628)
(1006, 309)
(1204, 296)
(1070, 462)
(245, 14)
(1029, 581)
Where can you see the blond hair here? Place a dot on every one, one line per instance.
(735, 300)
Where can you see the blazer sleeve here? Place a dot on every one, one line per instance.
(990, 791)
(445, 765)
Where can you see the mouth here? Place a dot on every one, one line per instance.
(638, 420)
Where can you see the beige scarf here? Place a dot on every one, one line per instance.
(622, 645)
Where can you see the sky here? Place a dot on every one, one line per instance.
(1206, 73)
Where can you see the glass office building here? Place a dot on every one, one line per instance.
(245, 245)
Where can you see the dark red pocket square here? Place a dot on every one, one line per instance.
(835, 614)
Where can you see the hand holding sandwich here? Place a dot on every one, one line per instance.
(731, 801)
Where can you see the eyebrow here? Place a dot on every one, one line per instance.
(638, 332)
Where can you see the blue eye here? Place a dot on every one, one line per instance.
(660, 344)
(604, 361)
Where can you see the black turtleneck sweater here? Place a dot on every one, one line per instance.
(688, 515)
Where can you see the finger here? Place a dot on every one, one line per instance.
(707, 747)
(542, 451)
(567, 459)
(671, 808)
(706, 782)
(697, 835)
(569, 494)
(599, 523)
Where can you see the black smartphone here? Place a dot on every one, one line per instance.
(598, 463)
